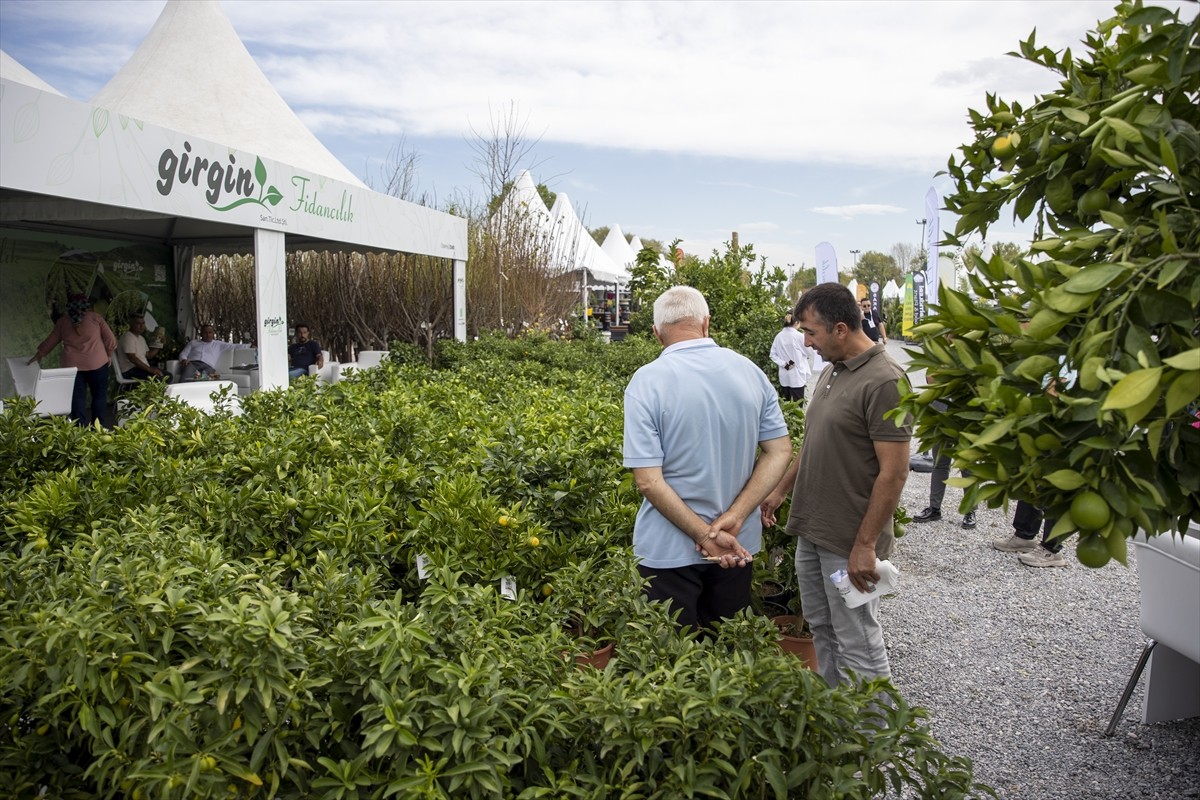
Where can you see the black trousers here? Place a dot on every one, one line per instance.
(702, 594)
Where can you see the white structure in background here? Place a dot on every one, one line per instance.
(147, 131)
(585, 253)
(892, 291)
(15, 71)
(525, 201)
(619, 252)
(624, 256)
(663, 261)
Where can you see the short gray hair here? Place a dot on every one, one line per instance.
(679, 303)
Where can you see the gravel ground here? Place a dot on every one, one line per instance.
(1021, 668)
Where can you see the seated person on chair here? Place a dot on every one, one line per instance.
(198, 356)
(303, 353)
(134, 354)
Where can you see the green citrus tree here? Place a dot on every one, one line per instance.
(1074, 375)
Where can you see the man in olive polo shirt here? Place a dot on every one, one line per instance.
(845, 482)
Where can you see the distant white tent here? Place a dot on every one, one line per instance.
(580, 248)
(524, 199)
(636, 245)
(892, 291)
(619, 252)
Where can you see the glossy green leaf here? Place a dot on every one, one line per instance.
(1134, 388)
(1066, 479)
(1182, 392)
(1093, 278)
(1187, 361)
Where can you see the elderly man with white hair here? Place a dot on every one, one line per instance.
(707, 442)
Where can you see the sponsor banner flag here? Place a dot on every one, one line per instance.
(933, 234)
(827, 270)
(906, 322)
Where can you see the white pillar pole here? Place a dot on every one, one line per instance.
(270, 302)
(460, 300)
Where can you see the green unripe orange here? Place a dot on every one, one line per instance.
(1089, 511)
(1092, 551)
(1093, 201)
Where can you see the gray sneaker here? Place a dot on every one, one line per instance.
(1041, 557)
(1015, 544)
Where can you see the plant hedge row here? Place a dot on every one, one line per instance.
(306, 602)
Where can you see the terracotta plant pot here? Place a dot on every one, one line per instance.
(596, 658)
(791, 639)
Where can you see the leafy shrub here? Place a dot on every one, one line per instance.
(306, 602)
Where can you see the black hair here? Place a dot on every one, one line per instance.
(833, 302)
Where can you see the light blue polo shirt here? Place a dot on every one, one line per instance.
(699, 412)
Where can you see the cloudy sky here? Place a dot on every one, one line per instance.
(789, 122)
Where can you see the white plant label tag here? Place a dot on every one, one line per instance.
(508, 587)
(422, 566)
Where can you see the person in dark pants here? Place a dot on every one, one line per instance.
(706, 440)
(937, 491)
(88, 344)
(1026, 520)
(937, 484)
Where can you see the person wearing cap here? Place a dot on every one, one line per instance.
(88, 344)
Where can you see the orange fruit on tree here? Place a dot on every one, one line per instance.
(1093, 201)
(1089, 511)
(1092, 551)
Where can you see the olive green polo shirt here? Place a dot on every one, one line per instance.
(838, 467)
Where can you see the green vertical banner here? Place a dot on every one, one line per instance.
(39, 270)
(908, 324)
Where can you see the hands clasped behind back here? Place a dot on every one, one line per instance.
(721, 543)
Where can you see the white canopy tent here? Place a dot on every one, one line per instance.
(619, 252)
(196, 149)
(13, 70)
(581, 250)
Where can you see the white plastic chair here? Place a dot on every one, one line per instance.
(243, 369)
(198, 394)
(1169, 581)
(371, 358)
(122, 381)
(52, 388)
(327, 373)
(366, 360)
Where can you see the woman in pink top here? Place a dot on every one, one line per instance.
(88, 344)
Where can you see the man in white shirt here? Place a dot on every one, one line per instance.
(134, 354)
(793, 358)
(197, 356)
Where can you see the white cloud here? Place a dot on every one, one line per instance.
(859, 210)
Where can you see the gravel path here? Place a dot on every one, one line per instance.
(1021, 668)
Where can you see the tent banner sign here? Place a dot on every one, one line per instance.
(59, 147)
